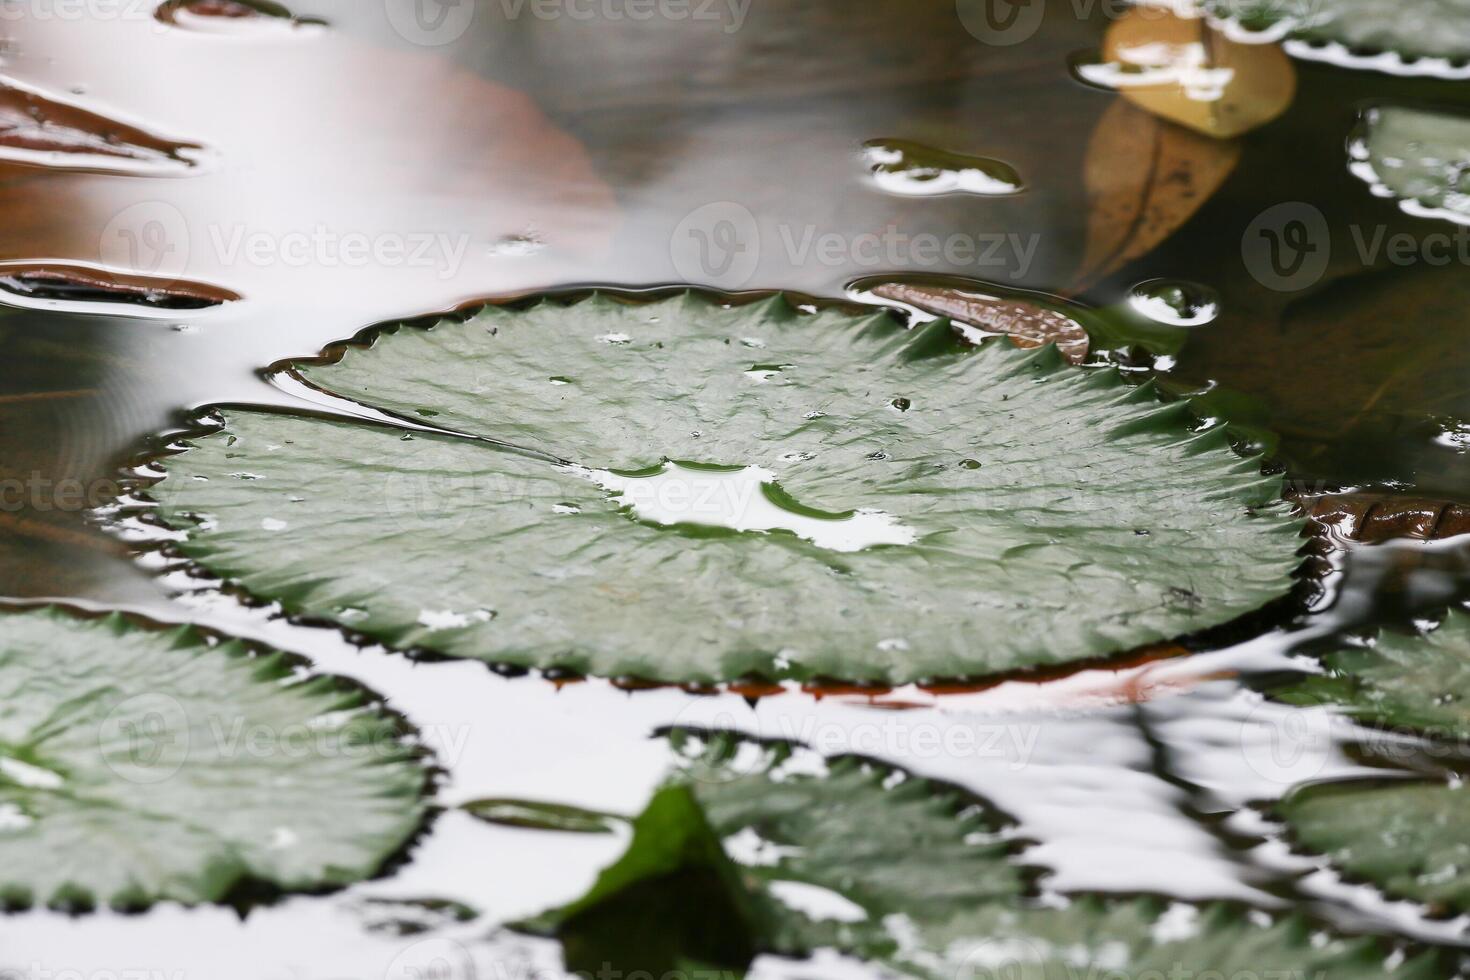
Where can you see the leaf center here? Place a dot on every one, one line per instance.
(741, 498)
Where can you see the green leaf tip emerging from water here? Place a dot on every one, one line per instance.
(139, 765)
(926, 882)
(1054, 514)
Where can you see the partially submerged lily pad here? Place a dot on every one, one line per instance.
(1420, 157)
(138, 765)
(1408, 30)
(705, 493)
(1412, 839)
(918, 878)
(1415, 682)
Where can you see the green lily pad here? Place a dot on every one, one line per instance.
(1417, 682)
(139, 765)
(1411, 29)
(919, 508)
(1418, 156)
(1412, 839)
(929, 881)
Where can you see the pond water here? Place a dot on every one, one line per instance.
(269, 189)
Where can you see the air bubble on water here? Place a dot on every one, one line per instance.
(1175, 302)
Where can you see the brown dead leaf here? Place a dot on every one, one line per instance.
(1182, 69)
(1371, 518)
(1144, 178)
(1026, 324)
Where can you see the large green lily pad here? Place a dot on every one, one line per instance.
(1418, 682)
(1419, 156)
(139, 765)
(1412, 839)
(1033, 513)
(1411, 29)
(916, 877)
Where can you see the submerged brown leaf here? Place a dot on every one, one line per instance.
(1182, 69)
(1026, 324)
(1371, 518)
(1145, 178)
(37, 129)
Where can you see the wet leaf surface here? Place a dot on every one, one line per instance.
(1372, 518)
(927, 491)
(138, 765)
(1412, 839)
(1145, 178)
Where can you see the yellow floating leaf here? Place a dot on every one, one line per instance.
(1181, 69)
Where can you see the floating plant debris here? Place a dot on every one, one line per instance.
(1182, 69)
(75, 283)
(906, 167)
(139, 765)
(1049, 573)
(228, 16)
(1027, 324)
(38, 130)
(1419, 157)
(1371, 518)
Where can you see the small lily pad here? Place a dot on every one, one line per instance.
(1420, 157)
(139, 765)
(682, 491)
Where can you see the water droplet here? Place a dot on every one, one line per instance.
(273, 524)
(560, 380)
(565, 508)
(879, 455)
(615, 338)
(765, 372)
(517, 246)
(902, 404)
(913, 169)
(815, 415)
(1175, 302)
(969, 464)
(744, 499)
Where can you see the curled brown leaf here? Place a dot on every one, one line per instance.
(1026, 324)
